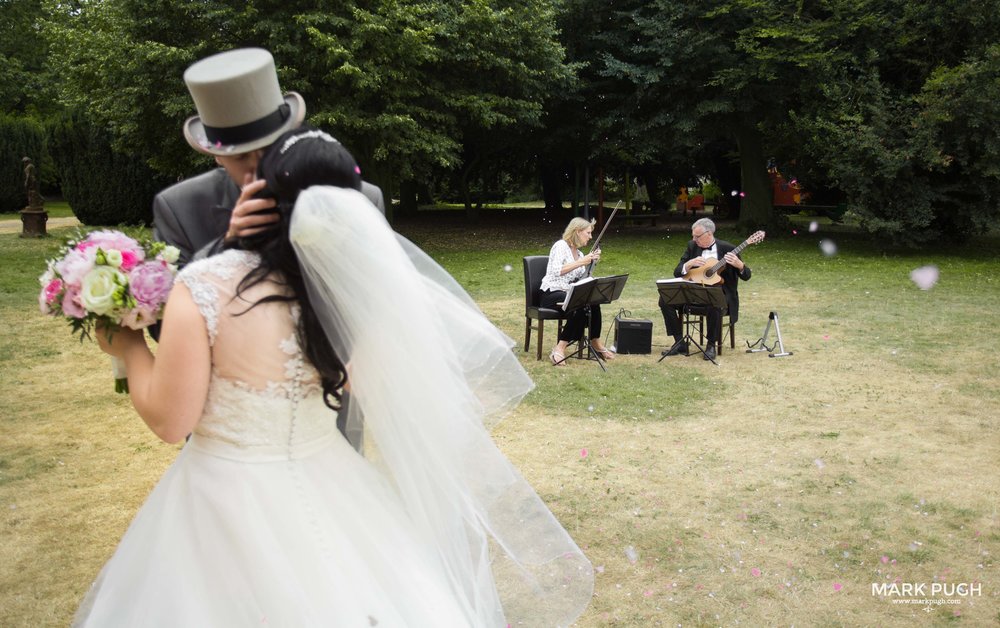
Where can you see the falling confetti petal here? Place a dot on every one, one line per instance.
(837, 586)
(925, 277)
(507, 268)
(885, 559)
(583, 453)
(755, 572)
(813, 227)
(795, 232)
(590, 408)
(829, 247)
(819, 463)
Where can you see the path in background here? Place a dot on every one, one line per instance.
(14, 226)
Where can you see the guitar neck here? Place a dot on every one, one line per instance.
(722, 262)
(742, 246)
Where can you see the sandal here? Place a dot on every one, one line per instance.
(605, 353)
(557, 358)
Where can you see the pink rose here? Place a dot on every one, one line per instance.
(75, 266)
(150, 283)
(71, 304)
(52, 290)
(129, 260)
(109, 239)
(49, 295)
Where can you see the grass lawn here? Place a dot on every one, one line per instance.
(762, 491)
(56, 209)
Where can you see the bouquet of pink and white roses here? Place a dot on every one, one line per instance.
(109, 278)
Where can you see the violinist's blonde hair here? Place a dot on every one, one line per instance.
(573, 229)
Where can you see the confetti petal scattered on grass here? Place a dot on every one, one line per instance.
(631, 554)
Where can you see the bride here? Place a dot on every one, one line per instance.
(268, 516)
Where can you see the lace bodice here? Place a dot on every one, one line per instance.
(264, 394)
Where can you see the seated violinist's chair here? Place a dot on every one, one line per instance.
(534, 271)
(696, 315)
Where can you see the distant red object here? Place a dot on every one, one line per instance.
(696, 202)
(785, 192)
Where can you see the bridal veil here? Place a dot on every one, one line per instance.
(430, 374)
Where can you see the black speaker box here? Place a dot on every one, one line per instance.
(633, 335)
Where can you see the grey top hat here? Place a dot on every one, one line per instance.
(239, 103)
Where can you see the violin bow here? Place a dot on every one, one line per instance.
(597, 242)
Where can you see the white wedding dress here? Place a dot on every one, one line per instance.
(268, 517)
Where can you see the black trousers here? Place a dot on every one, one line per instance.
(576, 320)
(672, 319)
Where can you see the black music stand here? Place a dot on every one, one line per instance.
(590, 292)
(689, 295)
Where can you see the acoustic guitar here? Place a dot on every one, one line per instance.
(711, 273)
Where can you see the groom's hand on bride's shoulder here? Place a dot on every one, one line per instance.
(253, 212)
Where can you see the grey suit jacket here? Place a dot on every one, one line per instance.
(193, 215)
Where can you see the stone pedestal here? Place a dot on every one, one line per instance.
(33, 221)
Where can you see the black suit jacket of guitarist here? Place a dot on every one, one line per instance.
(730, 276)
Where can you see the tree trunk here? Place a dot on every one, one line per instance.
(756, 206)
(408, 197)
(471, 211)
(551, 187)
(575, 204)
(652, 181)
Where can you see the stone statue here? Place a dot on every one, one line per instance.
(34, 216)
(35, 200)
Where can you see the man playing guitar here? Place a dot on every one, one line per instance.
(708, 261)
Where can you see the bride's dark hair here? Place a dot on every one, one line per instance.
(297, 160)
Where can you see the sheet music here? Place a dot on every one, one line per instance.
(569, 293)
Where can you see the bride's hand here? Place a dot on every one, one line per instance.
(116, 340)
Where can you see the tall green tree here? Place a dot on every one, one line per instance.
(26, 86)
(858, 94)
(399, 83)
(103, 186)
(716, 69)
(20, 137)
(901, 123)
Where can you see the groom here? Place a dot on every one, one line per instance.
(241, 112)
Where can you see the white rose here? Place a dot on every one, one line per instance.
(98, 289)
(47, 277)
(113, 257)
(170, 254)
